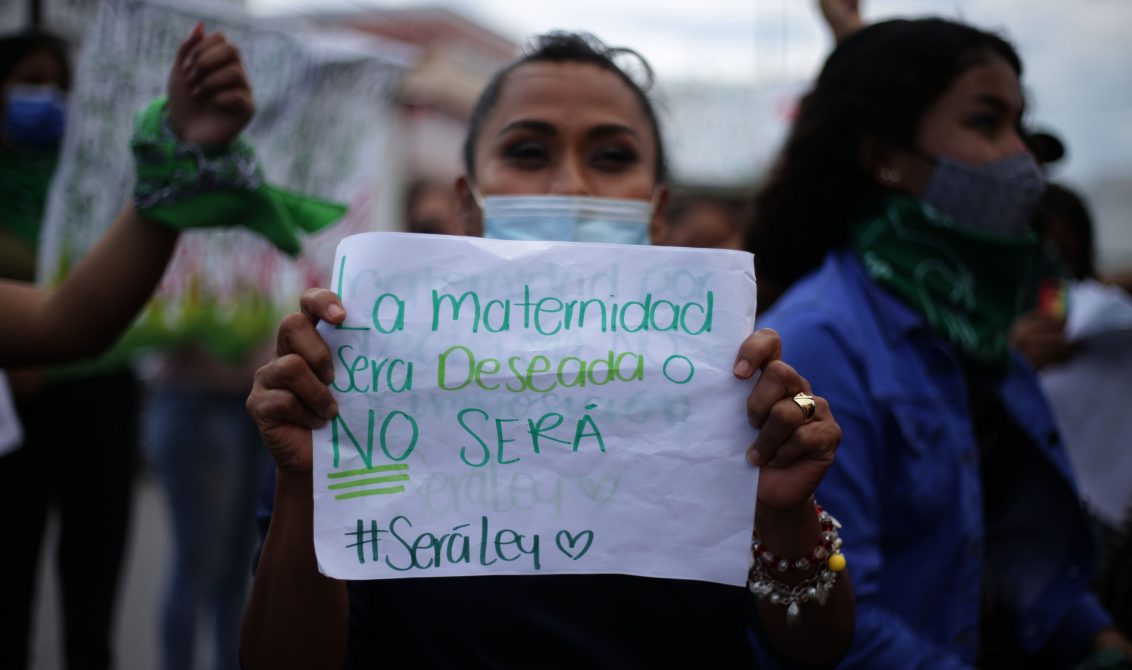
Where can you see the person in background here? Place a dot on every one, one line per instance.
(897, 223)
(430, 208)
(564, 133)
(702, 222)
(1075, 376)
(1066, 226)
(206, 453)
(78, 451)
(35, 76)
(1066, 230)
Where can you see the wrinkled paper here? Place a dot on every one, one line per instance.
(536, 408)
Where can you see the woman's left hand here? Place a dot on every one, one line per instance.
(210, 98)
(793, 453)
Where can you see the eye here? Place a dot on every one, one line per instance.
(526, 153)
(614, 157)
(984, 122)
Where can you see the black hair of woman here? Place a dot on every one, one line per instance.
(1064, 220)
(15, 48)
(870, 96)
(567, 47)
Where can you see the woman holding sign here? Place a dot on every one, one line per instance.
(561, 132)
(899, 216)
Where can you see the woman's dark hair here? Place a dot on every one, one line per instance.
(564, 47)
(15, 48)
(871, 94)
(1059, 202)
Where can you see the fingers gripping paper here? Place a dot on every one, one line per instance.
(536, 408)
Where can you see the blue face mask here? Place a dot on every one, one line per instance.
(34, 117)
(565, 218)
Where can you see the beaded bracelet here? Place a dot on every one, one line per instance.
(826, 557)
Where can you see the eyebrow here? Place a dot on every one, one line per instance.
(545, 128)
(541, 127)
(997, 103)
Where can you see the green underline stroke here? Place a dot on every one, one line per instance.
(369, 492)
(368, 471)
(371, 480)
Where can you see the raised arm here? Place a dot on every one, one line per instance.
(296, 617)
(842, 16)
(210, 102)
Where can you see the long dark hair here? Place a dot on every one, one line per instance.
(872, 92)
(566, 47)
(15, 48)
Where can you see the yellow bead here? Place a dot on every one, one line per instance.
(836, 562)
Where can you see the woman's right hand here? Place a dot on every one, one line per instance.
(290, 396)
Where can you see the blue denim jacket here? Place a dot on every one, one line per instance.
(907, 488)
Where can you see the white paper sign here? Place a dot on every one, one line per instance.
(536, 408)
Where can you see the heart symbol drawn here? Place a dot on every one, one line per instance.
(600, 491)
(572, 540)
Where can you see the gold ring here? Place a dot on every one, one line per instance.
(807, 405)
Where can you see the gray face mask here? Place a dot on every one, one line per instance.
(997, 198)
(566, 218)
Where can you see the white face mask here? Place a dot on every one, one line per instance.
(566, 218)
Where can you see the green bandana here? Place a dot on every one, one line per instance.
(185, 186)
(967, 284)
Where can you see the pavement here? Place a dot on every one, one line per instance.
(138, 621)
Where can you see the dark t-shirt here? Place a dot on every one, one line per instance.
(1002, 446)
(544, 621)
(548, 621)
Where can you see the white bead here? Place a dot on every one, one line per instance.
(793, 613)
